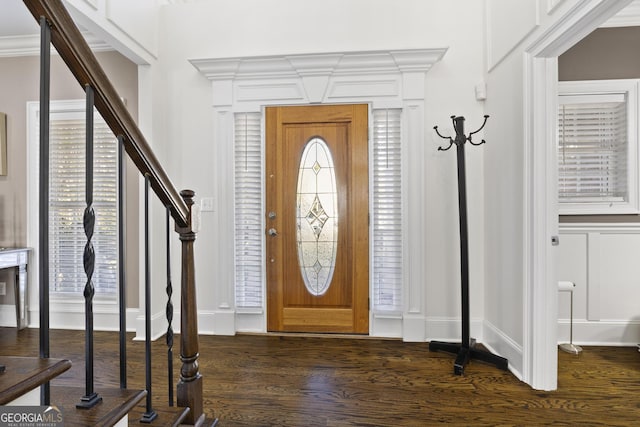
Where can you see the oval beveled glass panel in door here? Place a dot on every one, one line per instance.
(317, 216)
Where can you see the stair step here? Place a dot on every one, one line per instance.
(116, 403)
(23, 374)
(168, 416)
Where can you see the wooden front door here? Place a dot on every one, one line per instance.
(317, 219)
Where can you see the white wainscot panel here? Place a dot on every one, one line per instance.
(620, 276)
(602, 260)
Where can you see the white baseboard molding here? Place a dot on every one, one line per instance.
(72, 320)
(158, 325)
(212, 323)
(602, 332)
(219, 322)
(228, 322)
(414, 328)
(251, 321)
(386, 325)
(132, 315)
(450, 329)
(499, 343)
(69, 315)
(7, 315)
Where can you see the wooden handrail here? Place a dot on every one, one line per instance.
(79, 58)
(74, 50)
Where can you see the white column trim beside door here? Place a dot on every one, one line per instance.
(382, 79)
(414, 318)
(541, 222)
(223, 322)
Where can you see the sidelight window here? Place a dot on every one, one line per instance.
(248, 211)
(387, 210)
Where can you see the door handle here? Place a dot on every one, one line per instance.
(272, 232)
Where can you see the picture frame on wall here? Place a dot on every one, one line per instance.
(3, 144)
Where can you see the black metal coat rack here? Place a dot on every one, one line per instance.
(467, 348)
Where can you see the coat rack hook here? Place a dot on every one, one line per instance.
(441, 148)
(460, 139)
(486, 116)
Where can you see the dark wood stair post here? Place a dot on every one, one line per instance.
(189, 390)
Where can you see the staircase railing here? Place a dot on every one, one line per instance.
(59, 30)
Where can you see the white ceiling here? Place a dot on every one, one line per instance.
(16, 20)
(20, 32)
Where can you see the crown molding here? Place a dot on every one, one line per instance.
(316, 65)
(30, 45)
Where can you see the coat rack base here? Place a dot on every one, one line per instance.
(465, 353)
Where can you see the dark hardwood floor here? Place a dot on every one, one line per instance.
(298, 381)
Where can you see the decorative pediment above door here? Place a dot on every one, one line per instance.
(319, 78)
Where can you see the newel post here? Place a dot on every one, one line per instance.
(189, 389)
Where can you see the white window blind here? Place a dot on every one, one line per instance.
(596, 152)
(387, 211)
(248, 211)
(67, 180)
(592, 154)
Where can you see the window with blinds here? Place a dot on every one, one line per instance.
(387, 211)
(597, 147)
(248, 211)
(67, 202)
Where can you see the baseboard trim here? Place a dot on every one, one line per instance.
(386, 326)
(624, 333)
(158, 326)
(603, 332)
(499, 343)
(8, 315)
(70, 315)
(450, 329)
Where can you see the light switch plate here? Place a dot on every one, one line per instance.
(206, 204)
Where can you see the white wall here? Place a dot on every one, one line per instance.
(255, 28)
(504, 183)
